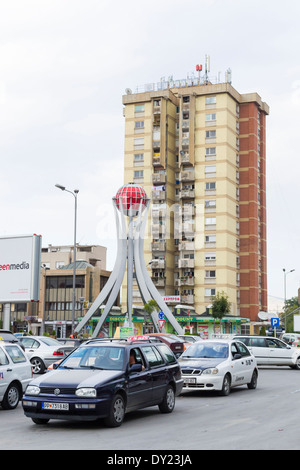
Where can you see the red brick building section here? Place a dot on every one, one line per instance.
(252, 195)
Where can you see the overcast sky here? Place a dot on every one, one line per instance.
(64, 66)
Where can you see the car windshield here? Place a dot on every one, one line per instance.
(207, 349)
(95, 357)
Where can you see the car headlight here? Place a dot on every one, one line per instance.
(32, 390)
(211, 371)
(86, 392)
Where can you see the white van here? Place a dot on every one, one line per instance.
(15, 375)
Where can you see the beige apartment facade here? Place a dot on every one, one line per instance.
(199, 152)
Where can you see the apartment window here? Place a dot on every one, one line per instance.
(139, 143)
(138, 174)
(210, 238)
(210, 100)
(139, 124)
(138, 157)
(210, 203)
(210, 257)
(156, 103)
(210, 151)
(210, 117)
(139, 108)
(210, 134)
(210, 292)
(210, 220)
(210, 170)
(210, 274)
(59, 264)
(210, 186)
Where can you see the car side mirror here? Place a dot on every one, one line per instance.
(237, 356)
(136, 368)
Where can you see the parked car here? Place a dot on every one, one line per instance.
(97, 381)
(9, 337)
(15, 374)
(71, 342)
(218, 365)
(176, 344)
(43, 351)
(293, 339)
(190, 338)
(271, 351)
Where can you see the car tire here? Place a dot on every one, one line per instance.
(253, 384)
(12, 397)
(168, 403)
(297, 364)
(116, 413)
(226, 386)
(40, 420)
(38, 367)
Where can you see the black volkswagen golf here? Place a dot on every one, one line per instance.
(105, 379)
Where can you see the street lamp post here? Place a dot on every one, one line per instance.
(285, 274)
(76, 191)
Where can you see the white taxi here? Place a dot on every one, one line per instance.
(15, 374)
(218, 364)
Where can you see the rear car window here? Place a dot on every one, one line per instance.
(15, 354)
(167, 353)
(153, 356)
(3, 358)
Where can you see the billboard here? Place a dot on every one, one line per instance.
(20, 266)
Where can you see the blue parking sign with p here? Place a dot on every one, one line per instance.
(275, 322)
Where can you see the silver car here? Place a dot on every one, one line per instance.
(15, 374)
(43, 351)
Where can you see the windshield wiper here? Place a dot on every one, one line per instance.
(92, 367)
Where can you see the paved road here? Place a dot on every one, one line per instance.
(266, 418)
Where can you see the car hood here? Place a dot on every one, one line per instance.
(74, 378)
(200, 363)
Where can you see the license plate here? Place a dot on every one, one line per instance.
(189, 381)
(55, 406)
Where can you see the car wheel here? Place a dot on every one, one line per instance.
(226, 386)
(40, 420)
(252, 385)
(117, 412)
(11, 397)
(168, 403)
(297, 364)
(38, 367)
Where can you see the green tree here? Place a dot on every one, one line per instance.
(291, 305)
(150, 306)
(220, 306)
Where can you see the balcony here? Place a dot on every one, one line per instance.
(186, 245)
(159, 282)
(158, 196)
(159, 246)
(157, 230)
(158, 264)
(187, 175)
(158, 178)
(156, 161)
(186, 263)
(187, 193)
(187, 299)
(185, 158)
(184, 281)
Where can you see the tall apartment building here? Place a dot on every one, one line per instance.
(199, 150)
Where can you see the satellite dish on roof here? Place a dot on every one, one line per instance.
(263, 315)
(128, 91)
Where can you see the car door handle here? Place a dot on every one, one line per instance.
(8, 370)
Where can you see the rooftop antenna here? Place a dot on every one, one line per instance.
(207, 67)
